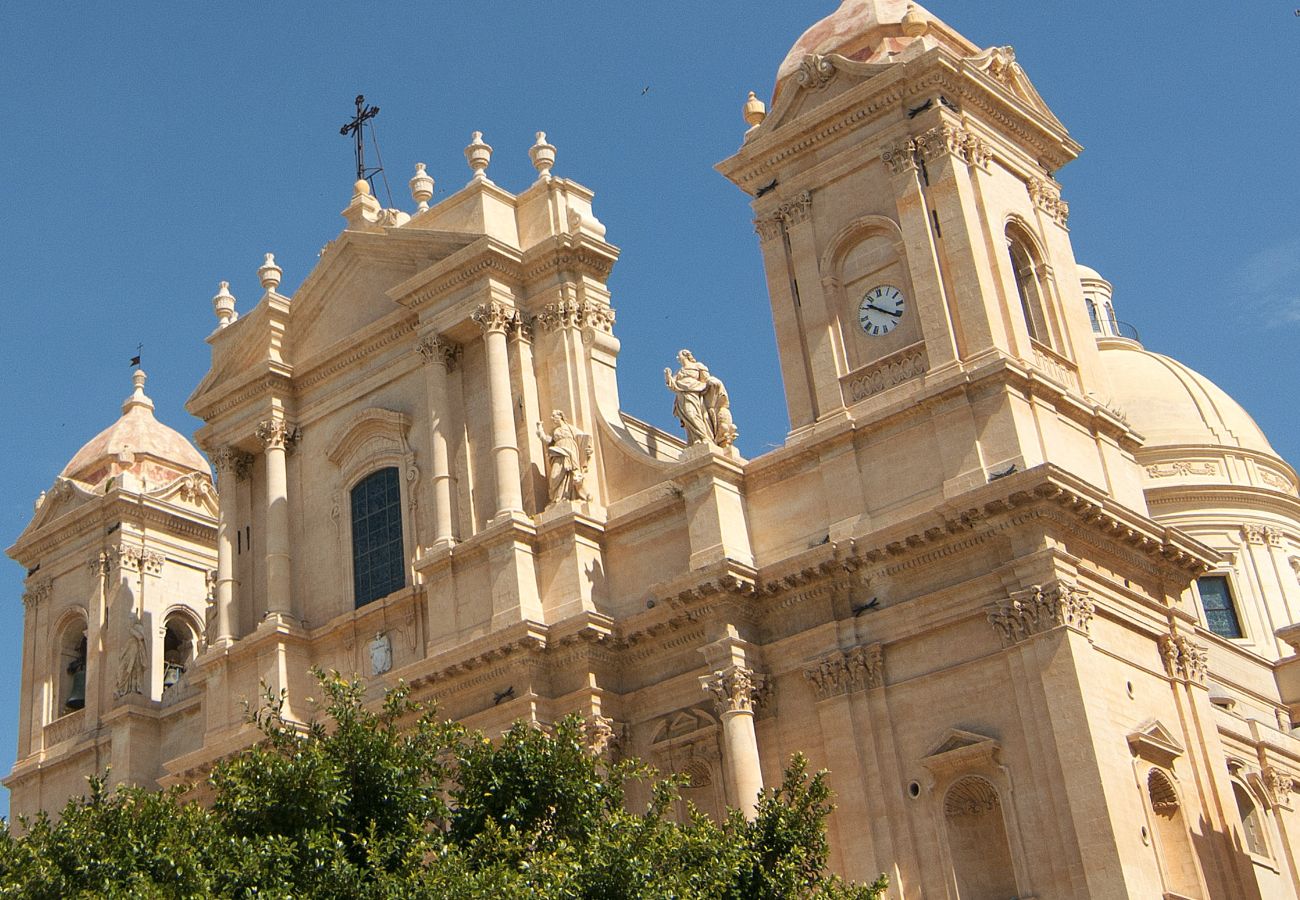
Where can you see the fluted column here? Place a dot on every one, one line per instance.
(274, 435)
(736, 691)
(494, 318)
(439, 359)
(227, 462)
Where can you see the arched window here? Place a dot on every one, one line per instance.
(1173, 845)
(180, 646)
(1092, 316)
(1030, 283)
(70, 667)
(977, 840)
(378, 563)
(1252, 820)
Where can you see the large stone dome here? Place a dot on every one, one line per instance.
(1171, 404)
(136, 442)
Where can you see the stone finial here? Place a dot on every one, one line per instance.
(915, 23)
(755, 110)
(421, 187)
(269, 274)
(223, 304)
(479, 154)
(360, 188)
(542, 155)
(137, 397)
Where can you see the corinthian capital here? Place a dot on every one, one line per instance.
(438, 350)
(494, 317)
(736, 689)
(228, 461)
(276, 434)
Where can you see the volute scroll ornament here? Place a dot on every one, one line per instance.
(815, 72)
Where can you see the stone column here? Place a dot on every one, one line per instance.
(226, 461)
(736, 690)
(494, 318)
(274, 435)
(439, 359)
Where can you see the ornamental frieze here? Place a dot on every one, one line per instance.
(1183, 467)
(1042, 608)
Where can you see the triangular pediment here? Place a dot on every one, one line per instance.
(1155, 743)
(999, 64)
(65, 496)
(961, 750)
(819, 80)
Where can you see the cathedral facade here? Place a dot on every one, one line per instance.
(1026, 588)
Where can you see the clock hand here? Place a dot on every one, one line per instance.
(885, 311)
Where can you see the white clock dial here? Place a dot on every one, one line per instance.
(881, 309)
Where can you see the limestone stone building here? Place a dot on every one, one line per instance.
(1028, 589)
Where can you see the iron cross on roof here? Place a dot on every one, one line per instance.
(356, 128)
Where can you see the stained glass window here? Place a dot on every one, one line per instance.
(378, 567)
(1216, 600)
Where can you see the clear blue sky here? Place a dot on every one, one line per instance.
(153, 149)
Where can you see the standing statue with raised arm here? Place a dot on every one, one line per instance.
(701, 403)
(568, 451)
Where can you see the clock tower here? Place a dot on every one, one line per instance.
(918, 259)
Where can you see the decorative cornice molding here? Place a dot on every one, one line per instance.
(1183, 658)
(856, 669)
(736, 689)
(434, 348)
(1042, 608)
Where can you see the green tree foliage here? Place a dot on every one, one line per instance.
(395, 804)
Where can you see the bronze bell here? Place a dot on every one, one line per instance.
(77, 695)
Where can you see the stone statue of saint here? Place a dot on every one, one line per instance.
(381, 654)
(134, 661)
(568, 451)
(701, 405)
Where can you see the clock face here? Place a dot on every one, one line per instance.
(881, 309)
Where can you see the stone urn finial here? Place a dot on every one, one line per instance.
(915, 23)
(421, 187)
(755, 110)
(223, 304)
(479, 154)
(542, 155)
(269, 274)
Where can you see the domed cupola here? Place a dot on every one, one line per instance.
(137, 443)
(1192, 429)
(873, 31)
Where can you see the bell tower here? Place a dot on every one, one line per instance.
(917, 253)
